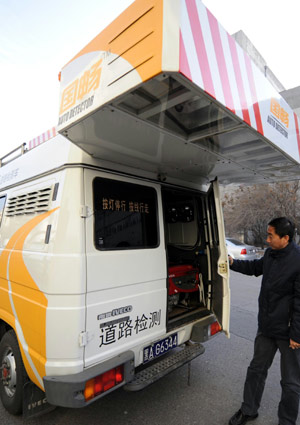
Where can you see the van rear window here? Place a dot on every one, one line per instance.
(125, 215)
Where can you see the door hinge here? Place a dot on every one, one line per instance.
(223, 268)
(85, 338)
(85, 211)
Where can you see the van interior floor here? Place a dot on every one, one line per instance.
(180, 315)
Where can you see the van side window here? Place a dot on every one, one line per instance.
(125, 215)
(2, 204)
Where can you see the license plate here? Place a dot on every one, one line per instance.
(160, 347)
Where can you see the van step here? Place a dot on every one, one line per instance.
(165, 365)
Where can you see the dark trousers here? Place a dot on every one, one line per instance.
(264, 352)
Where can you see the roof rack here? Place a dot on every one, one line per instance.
(25, 147)
(21, 150)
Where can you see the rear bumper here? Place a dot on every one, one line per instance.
(68, 390)
(166, 364)
(200, 330)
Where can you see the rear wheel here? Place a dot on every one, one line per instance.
(12, 374)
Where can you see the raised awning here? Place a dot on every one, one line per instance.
(165, 88)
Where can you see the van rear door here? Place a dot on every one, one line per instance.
(126, 265)
(219, 271)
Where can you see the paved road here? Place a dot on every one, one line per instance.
(215, 389)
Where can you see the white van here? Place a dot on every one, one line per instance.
(102, 271)
(113, 262)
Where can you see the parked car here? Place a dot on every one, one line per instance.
(241, 251)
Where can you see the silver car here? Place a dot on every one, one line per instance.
(241, 251)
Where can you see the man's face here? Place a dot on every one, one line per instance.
(275, 241)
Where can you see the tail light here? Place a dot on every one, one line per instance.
(214, 328)
(103, 382)
(244, 251)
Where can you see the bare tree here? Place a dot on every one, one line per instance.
(248, 209)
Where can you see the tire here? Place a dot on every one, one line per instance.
(13, 374)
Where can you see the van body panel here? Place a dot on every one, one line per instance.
(117, 279)
(120, 320)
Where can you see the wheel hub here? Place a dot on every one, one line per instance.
(8, 373)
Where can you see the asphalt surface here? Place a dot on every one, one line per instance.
(216, 382)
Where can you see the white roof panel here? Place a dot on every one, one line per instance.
(209, 112)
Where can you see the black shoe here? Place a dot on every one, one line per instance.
(240, 419)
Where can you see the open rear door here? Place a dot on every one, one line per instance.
(219, 271)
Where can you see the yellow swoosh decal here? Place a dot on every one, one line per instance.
(22, 298)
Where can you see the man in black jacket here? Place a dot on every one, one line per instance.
(278, 323)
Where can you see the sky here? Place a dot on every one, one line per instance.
(37, 38)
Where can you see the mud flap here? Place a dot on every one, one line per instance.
(34, 401)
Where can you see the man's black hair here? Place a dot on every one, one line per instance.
(283, 226)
